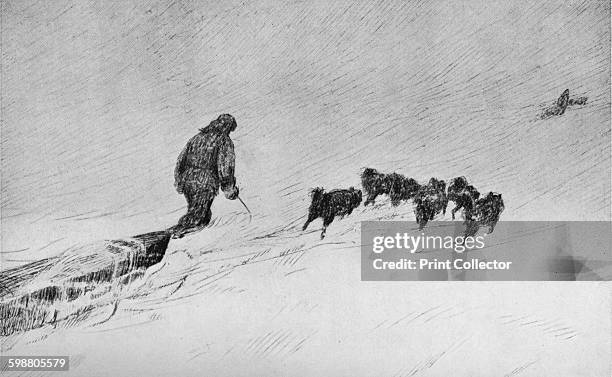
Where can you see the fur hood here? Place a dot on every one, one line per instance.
(225, 124)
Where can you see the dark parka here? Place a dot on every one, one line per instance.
(207, 162)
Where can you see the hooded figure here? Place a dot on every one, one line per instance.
(206, 164)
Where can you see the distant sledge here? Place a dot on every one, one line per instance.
(562, 104)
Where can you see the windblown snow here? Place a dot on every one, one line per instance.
(98, 98)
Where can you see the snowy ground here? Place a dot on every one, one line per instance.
(99, 98)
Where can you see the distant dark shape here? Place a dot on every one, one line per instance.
(562, 104)
(464, 196)
(206, 164)
(563, 101)
(328, 205)
(398, 187)
(580, 101)
(430, 201)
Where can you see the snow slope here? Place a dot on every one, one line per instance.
(99, 98)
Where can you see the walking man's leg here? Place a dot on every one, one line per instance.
(198, 212)
(203, 212)
(187, 219)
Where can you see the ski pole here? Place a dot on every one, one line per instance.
(247, 208)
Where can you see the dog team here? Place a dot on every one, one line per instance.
(429, 200)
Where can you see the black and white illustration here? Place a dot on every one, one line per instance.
(183, 183)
